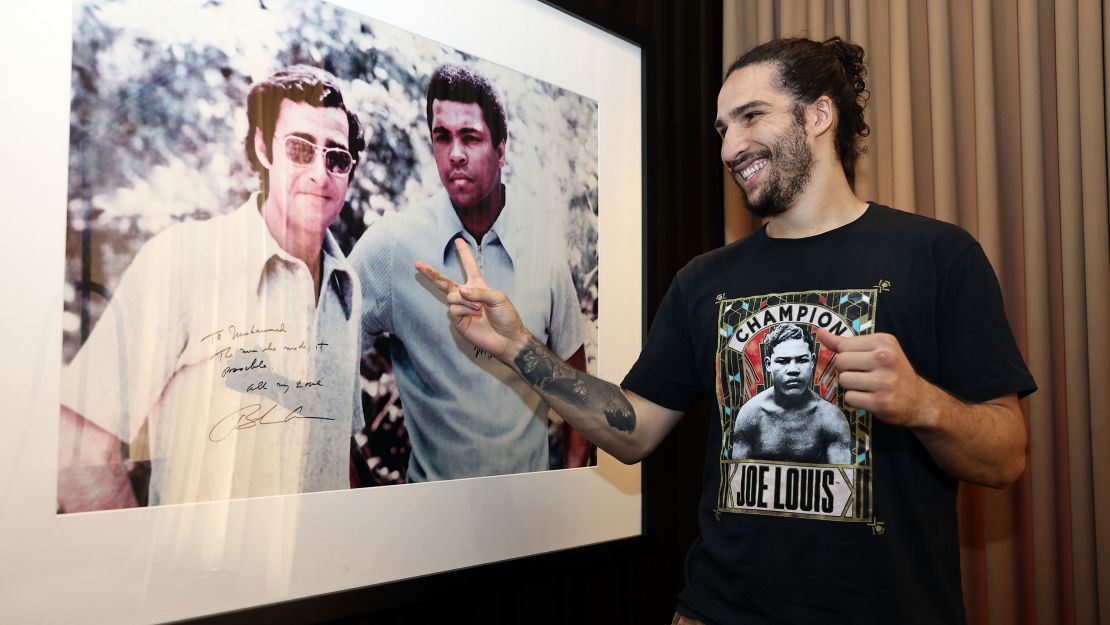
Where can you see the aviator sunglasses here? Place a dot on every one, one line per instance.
(337, 161)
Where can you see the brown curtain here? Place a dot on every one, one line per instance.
(992, 114)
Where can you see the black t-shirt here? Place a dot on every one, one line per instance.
(812, 511)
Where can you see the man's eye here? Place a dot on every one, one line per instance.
(752, 115)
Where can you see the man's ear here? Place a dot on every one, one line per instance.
(260, 149)
(501, 154)
(823, 115)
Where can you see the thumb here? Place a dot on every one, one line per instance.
(486, 297)
(828, 339)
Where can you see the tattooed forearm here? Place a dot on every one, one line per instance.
(618, 412)
(551, 375)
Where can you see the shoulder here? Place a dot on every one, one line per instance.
(194, 239)
(828, 414)
(702, 277)
(942, 240)
(717, 259)
(387, 230)
(922, 225)
(752, 408)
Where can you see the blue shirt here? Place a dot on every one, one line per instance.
(466, 413)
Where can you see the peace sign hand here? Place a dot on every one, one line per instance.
(484, 316)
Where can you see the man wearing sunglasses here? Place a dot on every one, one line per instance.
(467, 414)
(232, 343)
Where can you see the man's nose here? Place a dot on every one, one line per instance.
(457, 154)
(734, 143)
(318, 168)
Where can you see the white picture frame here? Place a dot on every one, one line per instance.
(174, 562)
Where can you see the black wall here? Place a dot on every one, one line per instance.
(630, 582)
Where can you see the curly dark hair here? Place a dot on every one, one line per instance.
(297, 83)
(807, 70)
(459, 83)
(787, 332)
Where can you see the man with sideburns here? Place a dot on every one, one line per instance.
(232, 342)
(467, 414)
(927, 366)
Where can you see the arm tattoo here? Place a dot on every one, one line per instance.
(548, 373)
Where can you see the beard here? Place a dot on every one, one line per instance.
(787, 175)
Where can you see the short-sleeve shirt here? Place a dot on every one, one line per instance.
(867, 538)
(215, 340)
(466, 413)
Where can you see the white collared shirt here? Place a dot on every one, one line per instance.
(215, 342)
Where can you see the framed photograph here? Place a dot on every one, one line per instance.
(231, 385)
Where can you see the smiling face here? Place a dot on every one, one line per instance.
(763, 141)
(303, 200)
(790, 367)
(468, 162)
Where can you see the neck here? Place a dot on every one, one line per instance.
(797, 401)
(826, 204)
(304, 246)
(478, 219)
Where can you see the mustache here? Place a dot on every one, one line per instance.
(734, 164)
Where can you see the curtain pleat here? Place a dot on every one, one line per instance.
(1096, 266)
(859, 24)
(1077, 388)
(942, 196)
(1042, 434)
(992, 114)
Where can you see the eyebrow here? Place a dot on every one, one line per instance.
(462, 131)
(739, 111)
(311, 138)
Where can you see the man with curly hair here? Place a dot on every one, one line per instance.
(929, 370)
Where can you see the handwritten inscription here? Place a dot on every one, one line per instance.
(234, 332)
(256, 363)
(303, 347)
(243, 350)
(228, 353)
(299, 384)
(251, 416)
(251, 359)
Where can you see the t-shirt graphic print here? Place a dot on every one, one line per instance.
(790, 445)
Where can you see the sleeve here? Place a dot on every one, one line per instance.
(132, 352)
(666, 371)
(566, 330)
(979, 358)
(358, 419)
(372, 260)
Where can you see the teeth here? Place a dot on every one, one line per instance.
(748, 171)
